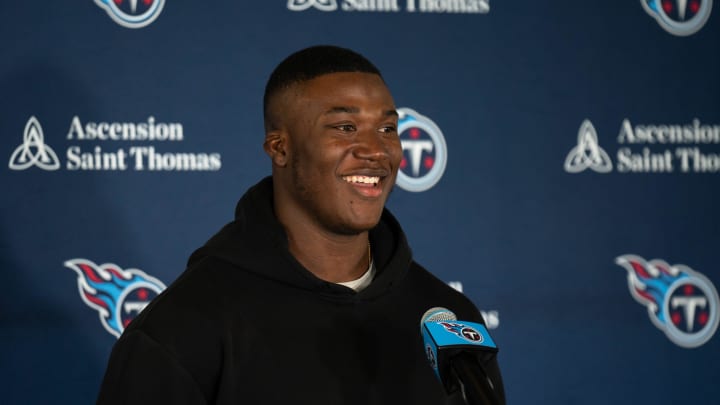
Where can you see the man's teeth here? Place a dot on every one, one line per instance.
(362, 179)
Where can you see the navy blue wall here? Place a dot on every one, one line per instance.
(529, 216)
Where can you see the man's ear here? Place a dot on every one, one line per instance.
(275, 146)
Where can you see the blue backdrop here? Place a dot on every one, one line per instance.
(564, 158)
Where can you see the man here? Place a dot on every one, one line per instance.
(310, 296)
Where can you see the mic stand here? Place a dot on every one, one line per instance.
(474, 384)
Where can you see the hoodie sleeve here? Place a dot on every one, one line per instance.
(141, 371)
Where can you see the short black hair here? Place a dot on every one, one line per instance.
(309, 63)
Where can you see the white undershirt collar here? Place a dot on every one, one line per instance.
(364, 280)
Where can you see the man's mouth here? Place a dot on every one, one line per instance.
(369, 180)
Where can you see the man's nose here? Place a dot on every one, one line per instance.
(371, 145)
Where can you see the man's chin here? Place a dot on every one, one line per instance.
(356, 228)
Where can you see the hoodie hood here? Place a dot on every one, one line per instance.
(256, 242)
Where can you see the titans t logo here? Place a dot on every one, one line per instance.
(680, 301)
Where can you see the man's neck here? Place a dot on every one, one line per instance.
(333, 258)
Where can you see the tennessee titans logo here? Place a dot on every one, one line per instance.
(463, 331)
(424, 151)
(118, 295)
(680, 301)
(430, 353)
(679, 17)
(132, 13)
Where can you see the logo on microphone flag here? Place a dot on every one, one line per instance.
(455, 333)
(465, 332)
(443, 338)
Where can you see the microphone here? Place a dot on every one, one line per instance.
(457, 352)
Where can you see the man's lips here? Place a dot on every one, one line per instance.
(368, 186)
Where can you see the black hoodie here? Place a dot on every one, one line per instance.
(247, 324)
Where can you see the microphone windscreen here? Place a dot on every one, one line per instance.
(437, 314)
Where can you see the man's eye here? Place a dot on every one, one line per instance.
(345, 127)
(390, 129)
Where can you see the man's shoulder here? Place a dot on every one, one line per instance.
(179, 335)
(193, 301)
(435, 290)
(421, 277)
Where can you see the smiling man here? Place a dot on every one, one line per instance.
(335, 150)
(310, 296)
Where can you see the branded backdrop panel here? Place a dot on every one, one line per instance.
(561, 168)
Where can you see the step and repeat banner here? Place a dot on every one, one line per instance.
(561, 168)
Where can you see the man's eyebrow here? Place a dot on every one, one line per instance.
(391, 113)
(342, 110)
(355, 110)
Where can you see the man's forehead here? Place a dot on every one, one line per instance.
(332, 81)
(330, 94)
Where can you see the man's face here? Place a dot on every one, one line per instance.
(343, 150)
